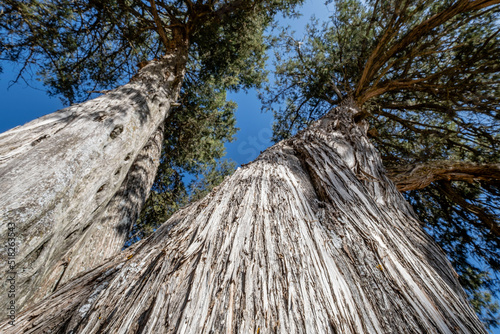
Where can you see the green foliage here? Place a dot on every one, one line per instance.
(210, 178)
(426, 74)
(431, 91)
(465, 239)
(415, 76)
(486, 308)
(77, 47)
(306, 70)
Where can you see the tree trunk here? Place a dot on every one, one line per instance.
(108, 231)
(312, 237)
(84, 171)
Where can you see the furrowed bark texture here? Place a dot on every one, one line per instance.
(418, 176)
(71, 176)
(312, 237)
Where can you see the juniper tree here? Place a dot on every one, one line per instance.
(311, 237)
(300, 240)
(426, 76)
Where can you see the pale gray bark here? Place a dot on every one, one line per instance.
(312, 237)
(109, 228)
(71, 176)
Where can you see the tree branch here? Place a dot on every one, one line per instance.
(419, 176)
(376, 60)
(486, 219)
(159, 25)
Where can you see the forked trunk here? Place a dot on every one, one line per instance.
(312, 237)
(72, 182)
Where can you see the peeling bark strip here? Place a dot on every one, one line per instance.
(413, 177)
(62, 178)
(312, 237)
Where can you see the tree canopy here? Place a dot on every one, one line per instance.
(80, 47)
(426, 75)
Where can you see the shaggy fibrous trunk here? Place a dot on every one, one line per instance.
(73, 181)
(312, 237)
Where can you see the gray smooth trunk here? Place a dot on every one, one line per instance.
(312, 237)
(73, 181)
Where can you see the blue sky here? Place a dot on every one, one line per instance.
(256, 127)
(21, 103)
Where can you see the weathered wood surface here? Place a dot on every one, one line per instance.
(62, 178)
(312, 237)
